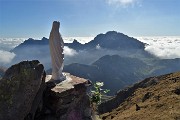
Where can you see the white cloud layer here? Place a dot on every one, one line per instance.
(122, 2)
(9, 43)
(6, 57)
(82, 40)
(69, 52)
(165, 47)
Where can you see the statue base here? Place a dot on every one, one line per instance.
(69, 83)
(62, 78)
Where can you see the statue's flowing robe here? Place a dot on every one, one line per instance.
(56, 49)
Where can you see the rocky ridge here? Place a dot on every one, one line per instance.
(109, 40)
(151, 99)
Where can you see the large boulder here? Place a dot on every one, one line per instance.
(66, 100)
(20, 89)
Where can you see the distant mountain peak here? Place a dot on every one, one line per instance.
(44, 38)
(29, 39)
(112, 32)
(115, 40)
(75, 42)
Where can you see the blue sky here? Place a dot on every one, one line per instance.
(33, 18)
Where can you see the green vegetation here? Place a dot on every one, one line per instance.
(96, 94)
(96, 98)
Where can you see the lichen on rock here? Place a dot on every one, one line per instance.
(18, 88)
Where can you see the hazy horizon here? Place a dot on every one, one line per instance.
(165, 47)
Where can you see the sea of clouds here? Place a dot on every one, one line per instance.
(7, 44)
(165, 47)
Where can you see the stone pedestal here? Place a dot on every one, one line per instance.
(68, 100)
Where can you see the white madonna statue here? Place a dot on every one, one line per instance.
(56, 49)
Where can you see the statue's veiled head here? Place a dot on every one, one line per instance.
(56, 25)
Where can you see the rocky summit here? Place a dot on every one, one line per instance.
(26, 93)
(155, 98)
(20, 90)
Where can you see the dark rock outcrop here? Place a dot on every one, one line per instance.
(19, 90)
(146, 96)
(26, 93)
(137, 107)
(177, 91)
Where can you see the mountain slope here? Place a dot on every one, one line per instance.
(118, 72)
(153, 98)
(115, 71)
(166, 65)
(2, 71)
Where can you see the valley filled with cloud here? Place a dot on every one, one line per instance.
(164, 47)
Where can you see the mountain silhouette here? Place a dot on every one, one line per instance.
(115, 40)
(114, 58)
(110, 40)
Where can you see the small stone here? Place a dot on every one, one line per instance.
(177, 91)
(146, 96)
(137, 107)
